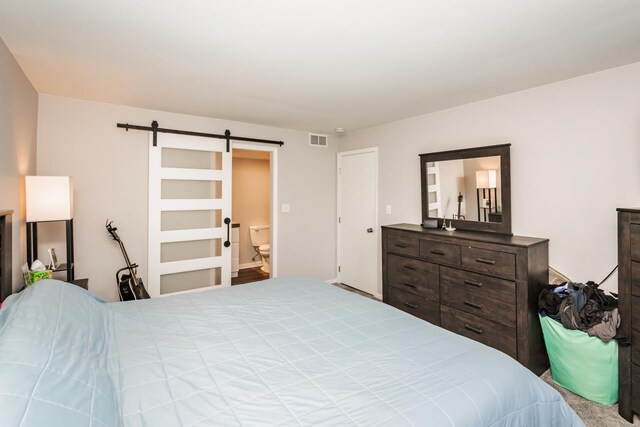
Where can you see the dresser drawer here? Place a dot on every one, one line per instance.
(469, 301)
(479, 285)
(634, 233)
(415, 304)
(493, 334)
(444, 253)
(414, 276)
(488, 261)
(635, 312)
(635, 388)
(635, 279)
(403, 245)
(635, 347)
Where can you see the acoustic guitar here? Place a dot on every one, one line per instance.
(130, 286)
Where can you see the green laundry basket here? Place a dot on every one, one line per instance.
(580, 363)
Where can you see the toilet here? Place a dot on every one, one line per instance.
(260, 239)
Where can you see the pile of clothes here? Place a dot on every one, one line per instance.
(582, 306)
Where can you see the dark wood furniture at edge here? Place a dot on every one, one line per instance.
(629, 308)
(32, 247)
(481, 285)
(5, 255)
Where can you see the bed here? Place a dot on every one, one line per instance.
(277, 352)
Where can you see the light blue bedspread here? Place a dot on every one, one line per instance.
(278, 352)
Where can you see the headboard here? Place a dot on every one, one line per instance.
(5, 254)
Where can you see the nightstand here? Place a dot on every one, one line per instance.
(83, 283)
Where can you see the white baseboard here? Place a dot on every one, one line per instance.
(250, 265)
(332, 280)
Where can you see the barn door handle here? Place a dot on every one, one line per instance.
(227, 243)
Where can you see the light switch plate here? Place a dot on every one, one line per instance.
(285, 208)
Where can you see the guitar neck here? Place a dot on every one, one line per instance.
(128, 262)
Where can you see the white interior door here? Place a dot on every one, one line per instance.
(189, 201)
(358, 219)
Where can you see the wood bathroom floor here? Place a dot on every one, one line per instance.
(248, 275)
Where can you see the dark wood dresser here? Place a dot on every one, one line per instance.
(5, 255)
(629, 308)
(481, 285)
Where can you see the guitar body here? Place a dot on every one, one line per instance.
(124, 289)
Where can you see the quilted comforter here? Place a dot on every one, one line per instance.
(278, 352)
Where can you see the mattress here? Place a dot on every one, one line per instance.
(277, 352)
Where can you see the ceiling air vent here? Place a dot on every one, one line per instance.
(317, 140)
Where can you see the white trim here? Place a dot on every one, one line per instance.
(274, 197)
(155, 216)
(332, 281)
(340, 155)
(250, 265)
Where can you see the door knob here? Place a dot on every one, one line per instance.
(369, 230)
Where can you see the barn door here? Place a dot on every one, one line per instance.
(189, 207)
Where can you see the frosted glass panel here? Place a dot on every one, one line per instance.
(187, 189)
(191, 159)
(179, 251)
(186, 220)
(189, 280)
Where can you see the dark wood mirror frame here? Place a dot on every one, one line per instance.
(503, 151)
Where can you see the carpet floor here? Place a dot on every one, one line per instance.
(592, 414)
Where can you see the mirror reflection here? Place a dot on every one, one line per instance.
(465, 189)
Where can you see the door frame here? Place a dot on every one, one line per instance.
(273, 164)
(340, 155)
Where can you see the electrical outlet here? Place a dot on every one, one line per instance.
(285, 208)
(388, 209)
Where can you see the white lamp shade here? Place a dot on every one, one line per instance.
(486, 178)
(49, 198)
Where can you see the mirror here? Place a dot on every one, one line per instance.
(470, 187)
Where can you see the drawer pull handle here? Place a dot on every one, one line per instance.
(411, 305)
(473, 329)
(400, 245)
(410, 285)
(472, 305)
(472, 283)
(485, 261)
(436, 252)
(409, 267)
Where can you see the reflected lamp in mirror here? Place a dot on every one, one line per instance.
(487, 195)
(49, 198)
(486, 179)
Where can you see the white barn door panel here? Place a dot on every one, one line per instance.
(189, 201)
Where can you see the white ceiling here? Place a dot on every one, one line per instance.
(312, 65)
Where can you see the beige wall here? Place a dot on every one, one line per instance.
(251, 200)
(575, 158)
(18, 124)
(110, 169)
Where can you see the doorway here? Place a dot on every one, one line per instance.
(358, 219)
(253, 228)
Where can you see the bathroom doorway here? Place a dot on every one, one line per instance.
(253, 227)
